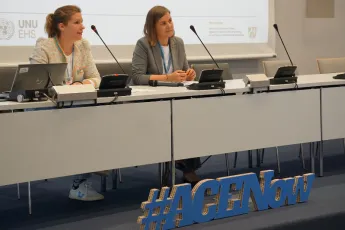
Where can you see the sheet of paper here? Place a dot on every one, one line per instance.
(185, 83)
(136, 90)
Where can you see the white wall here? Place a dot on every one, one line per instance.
(305, 38)
(309, 38)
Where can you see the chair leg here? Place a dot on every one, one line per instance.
(258, 161)
(18, 191)
(235, 160)
(172, 166)
(103, 183)
(166, 174)
(114, 177)
(163, 175)
(312, 157)
(250, 159)
(262, 156)
(278, 159)
(120, 176)
(227, 164)
(29, 197)
(321, 159)
(317, 150)
(160, 174)
(301, 155)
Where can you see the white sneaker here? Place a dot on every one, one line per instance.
(85, 192)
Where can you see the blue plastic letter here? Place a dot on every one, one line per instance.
(224, 198)
(180, 212)
(204, 213)
(298, 189)
(257, 191)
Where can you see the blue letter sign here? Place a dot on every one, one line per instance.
(185, 206)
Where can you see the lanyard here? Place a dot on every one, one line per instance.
(70, 75)
(169, 61)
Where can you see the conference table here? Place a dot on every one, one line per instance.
(165, 124)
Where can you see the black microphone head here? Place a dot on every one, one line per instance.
(93, 27)
(192, 28)
(275, 26)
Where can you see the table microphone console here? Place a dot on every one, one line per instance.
(206, 85)
(283, 80)
(114, 92)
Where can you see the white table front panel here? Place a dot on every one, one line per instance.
(216, 125)
(46, 144)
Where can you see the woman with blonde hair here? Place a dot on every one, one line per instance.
(66, 45)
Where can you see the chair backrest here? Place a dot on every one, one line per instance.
(271, 67)
(224, 66)
(112, 68)
(331, 65)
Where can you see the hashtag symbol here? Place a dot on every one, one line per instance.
(155, 210)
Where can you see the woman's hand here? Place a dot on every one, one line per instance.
(87, 82)
(177, 76)
(190, 74)
(84, 82)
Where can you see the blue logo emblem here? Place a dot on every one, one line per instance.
(80, 194)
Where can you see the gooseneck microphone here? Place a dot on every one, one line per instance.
(210, 82)
(93, 27)
(284, 74)
(155, 83)
(194, 31)
(276, 28)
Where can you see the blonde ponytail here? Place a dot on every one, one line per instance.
(50, 27)
(61, 15)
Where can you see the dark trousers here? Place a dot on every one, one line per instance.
(186, 165)
(189, 165)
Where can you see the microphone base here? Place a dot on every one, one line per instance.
(340, 76)
(206, 85)
(283, 80)
(114, 92)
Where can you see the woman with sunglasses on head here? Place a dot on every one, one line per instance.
(66, 45)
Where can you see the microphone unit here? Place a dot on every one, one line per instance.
(194, 31)
(93, 27)
(285, 74)
(155, 83)
(276, 28)
(208, 81)
(113, 84)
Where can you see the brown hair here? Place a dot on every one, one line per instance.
(152, 18)
(61, 15)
